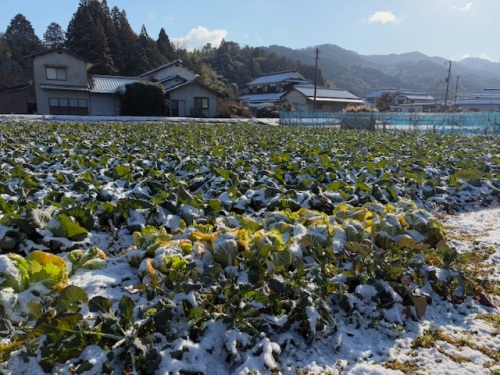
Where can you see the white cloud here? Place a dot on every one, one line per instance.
(152, 14)
(200, 36)
(466, 8)
(384, 16)
(484, 56)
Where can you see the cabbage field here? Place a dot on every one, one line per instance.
(143, 248)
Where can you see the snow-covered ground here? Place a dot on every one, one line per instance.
(264, 121)
(465, 343)
(448, 339)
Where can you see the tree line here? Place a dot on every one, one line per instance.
(104, 37)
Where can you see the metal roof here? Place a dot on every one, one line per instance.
(417, 96)
(262, 98)
(49, 86)
(101, 84)
(326, 93)
(289, 75)
(398, 92)
(478, 101)
(491, 92)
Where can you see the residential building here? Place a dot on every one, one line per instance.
(271, 88)
(185, 95)
(328, 99)
(291, 87)
(60, 82)
(487, 101)
(62, 86)
(405, 101)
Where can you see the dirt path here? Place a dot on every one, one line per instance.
(477, 231)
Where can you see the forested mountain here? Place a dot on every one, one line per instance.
(362, 74)
(105, 37)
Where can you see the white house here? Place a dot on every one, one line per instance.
(186, 96)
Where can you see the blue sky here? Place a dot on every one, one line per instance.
(452, 29)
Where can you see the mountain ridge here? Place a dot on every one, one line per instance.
(362, 74)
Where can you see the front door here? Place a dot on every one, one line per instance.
(178, 108)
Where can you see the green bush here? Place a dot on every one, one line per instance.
(268, 111)
(143, 99)
(227, 108)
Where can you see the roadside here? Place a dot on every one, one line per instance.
(257, 121)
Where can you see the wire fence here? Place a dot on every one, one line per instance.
(464, 123)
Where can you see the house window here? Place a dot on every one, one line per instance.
(56, 74)
(66, 106)
(200, 103)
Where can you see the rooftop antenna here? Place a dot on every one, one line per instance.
(315, 79)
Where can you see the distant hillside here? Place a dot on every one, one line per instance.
(362, 74)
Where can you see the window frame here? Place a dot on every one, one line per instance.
(68, 106)
(58, 73)
(201, 103)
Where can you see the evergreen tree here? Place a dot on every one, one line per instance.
(132, 58)
(12, 73)
(385, 101)
(111, 35)
(54, 36)
(153, 56)
(223, 61)
(86, 36)
(165, 47)
(103, 62)
(21, 37)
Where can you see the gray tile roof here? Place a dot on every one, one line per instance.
(102, 84)
(288, 75)
(478, 101)
(327, 93)
(418, 97)
(262, 98)
(51, 86)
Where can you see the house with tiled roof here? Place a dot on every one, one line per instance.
(185, 94)
(487, 101)
(63, 86)
(271, 88)
(326, 99)
(291, 87)
(405, 100)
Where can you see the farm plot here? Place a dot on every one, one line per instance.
(214, 249)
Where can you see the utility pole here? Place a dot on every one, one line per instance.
(447, 86)
(315, 79)
(456, 91)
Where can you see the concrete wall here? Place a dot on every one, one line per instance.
(76, 75)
